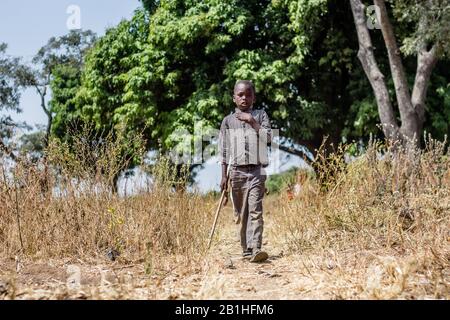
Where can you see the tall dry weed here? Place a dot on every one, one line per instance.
(66, 205)
(385, 203)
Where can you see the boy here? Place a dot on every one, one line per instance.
(244, 136)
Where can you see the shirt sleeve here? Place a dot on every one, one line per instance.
(224, 142)
(265, 127)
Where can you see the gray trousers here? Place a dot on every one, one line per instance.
(247, 193)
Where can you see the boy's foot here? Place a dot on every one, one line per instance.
(247, 254)
(259, 256)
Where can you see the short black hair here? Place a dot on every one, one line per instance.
(246, 83)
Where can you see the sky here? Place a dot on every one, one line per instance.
(26, 26)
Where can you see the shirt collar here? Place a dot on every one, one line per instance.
(237, 110)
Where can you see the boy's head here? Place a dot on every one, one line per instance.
(244, 94)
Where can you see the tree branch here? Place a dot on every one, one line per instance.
(42, 94)
(426, 60)
(7, 150)
(295, 152)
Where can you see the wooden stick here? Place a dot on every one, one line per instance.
(218, 208)
(216, 217)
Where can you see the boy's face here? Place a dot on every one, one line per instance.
(243, 97)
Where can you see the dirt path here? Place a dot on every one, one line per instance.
(232, 277)
(282, 276)
(224, 274)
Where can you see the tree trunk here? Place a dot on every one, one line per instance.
(45, 181)
(366, 56)
(410, 122)
(48, 113)
(426, 60)
(412, 108)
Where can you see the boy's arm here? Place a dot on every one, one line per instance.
(224, 183)
(224, 180)
(247, 117)
(265, 127)
(224, 152)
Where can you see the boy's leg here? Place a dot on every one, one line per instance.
(239, 193)
(245, 240)
(255, 226)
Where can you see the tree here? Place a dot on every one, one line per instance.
(32, 145)
(174, 65)
(9, 99)
(178, 67)
(429, 41)
(150, 5)
(60, 57)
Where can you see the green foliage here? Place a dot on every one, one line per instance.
(174, 64)
(91, 155)
(150, 5)
(9, 93)
(103, 97)
(65, 85)
(363, 116)
(166, 71)
(430, 21)
(275, 183)
(9, 99)
(438, 106)
(57, 66)
(32, 145)
(68, 49)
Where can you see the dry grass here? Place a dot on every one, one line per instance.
(67, 208)
(376, 228)
(384, 222)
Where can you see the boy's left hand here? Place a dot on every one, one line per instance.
(247, 117)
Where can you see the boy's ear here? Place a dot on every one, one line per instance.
(254, 99)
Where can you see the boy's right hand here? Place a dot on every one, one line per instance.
(225, 200)
(223, 184)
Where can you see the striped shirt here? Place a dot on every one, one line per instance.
(240, 144)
